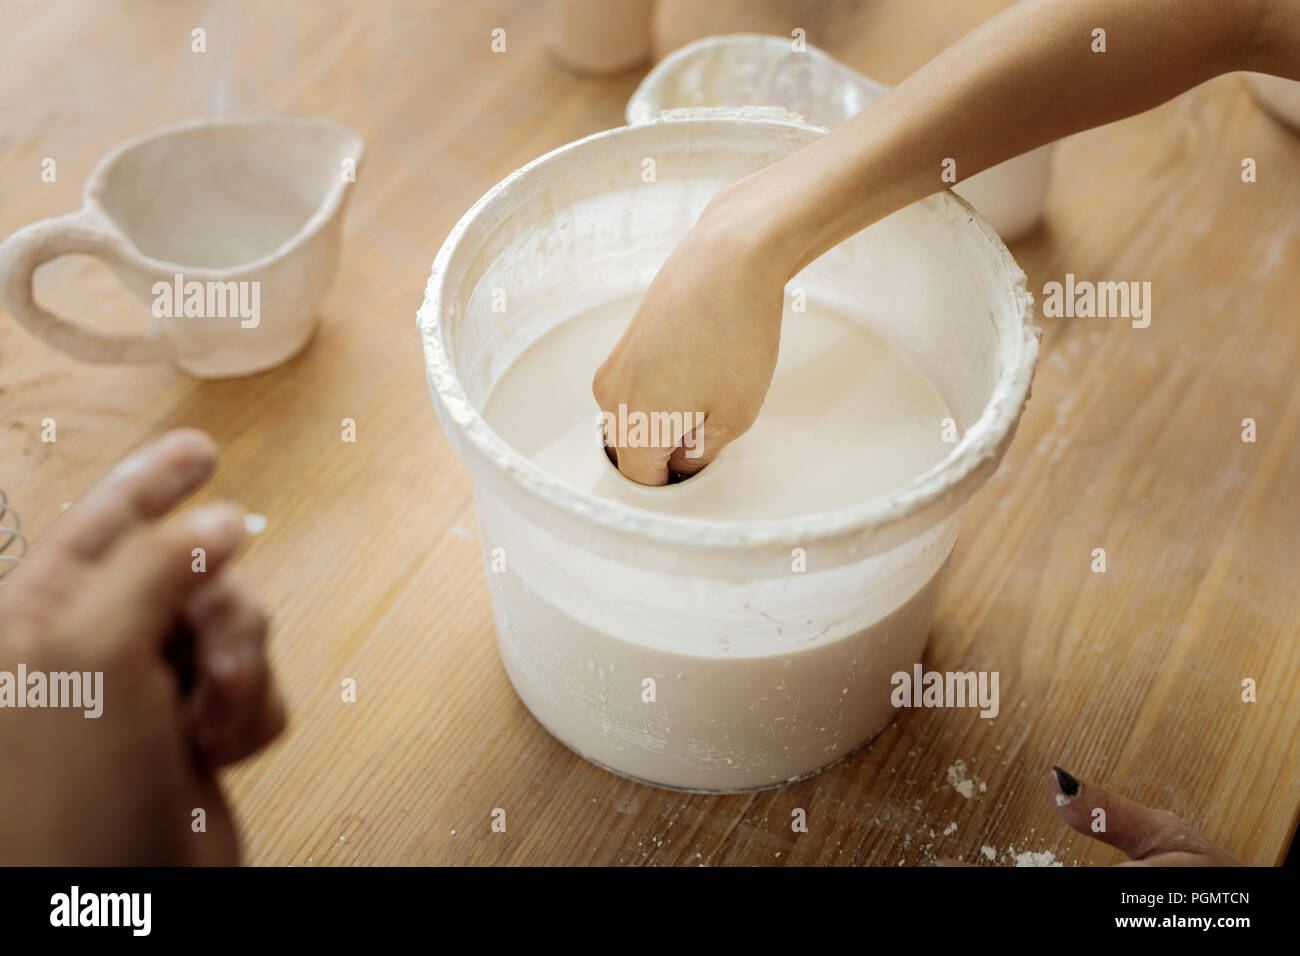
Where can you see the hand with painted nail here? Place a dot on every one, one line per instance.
(144, 671)
(1149, 837)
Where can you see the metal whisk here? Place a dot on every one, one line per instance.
(13, 545)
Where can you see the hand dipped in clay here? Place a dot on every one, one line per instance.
(701, 348)
(186, 687)
(706, 335)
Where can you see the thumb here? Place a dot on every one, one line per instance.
(146, 579)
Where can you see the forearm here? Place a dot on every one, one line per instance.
(1027, 77)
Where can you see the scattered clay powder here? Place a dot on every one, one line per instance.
(952, 828)
(989, 852)
(963, 781)
(1030, 858)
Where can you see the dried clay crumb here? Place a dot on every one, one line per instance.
(963, 781)
(1030, 858)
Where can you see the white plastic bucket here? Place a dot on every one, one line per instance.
(760, 674)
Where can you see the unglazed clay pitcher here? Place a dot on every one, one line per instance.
(751, 69)
(760, 675)
(228, 229)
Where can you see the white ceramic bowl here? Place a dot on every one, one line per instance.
(751, 69)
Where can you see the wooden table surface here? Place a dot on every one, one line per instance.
(371, 564)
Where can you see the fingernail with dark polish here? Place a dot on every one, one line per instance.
(1069, 786)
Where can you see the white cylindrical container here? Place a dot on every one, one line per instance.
(600, 36)
(752, 69)
(760, 671)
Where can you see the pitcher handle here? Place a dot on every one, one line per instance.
(31, 247)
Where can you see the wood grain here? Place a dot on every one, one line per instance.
(372, 568)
